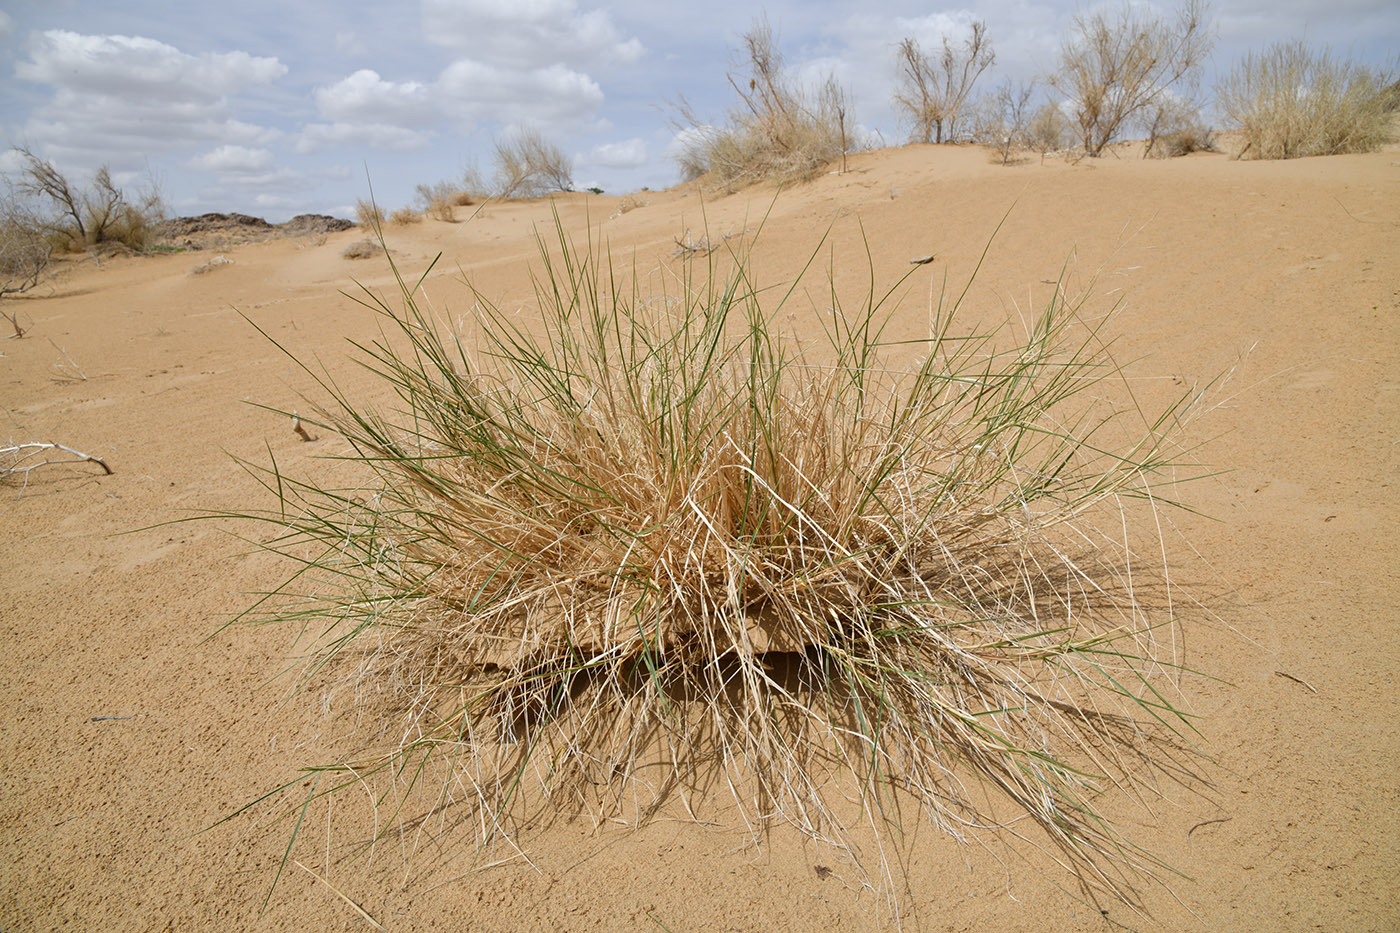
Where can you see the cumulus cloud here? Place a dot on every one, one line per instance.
(368, 110)
(365, 97)
(117, 67)
(7, 25)
(528, 33)
(555, 94)
(317, 136)
(117, 98)
(629, 153)
(232, 160)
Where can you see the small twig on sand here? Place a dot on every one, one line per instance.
(1223, 819)
(17, 456)
(1297, 680)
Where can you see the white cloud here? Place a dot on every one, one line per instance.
(118, 67)
(365, 97)
(118, 98)
(528, 33)
(7, 25)
(626, 154)
(317, 136)
(232, 160)
(555, 94)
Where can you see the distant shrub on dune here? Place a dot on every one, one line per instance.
(1175, 128)
(405, 216)
(530, 166)
(70, 217)
(439, 199)
(779, 130)
(933, 92)
(1291, 101)
(1116, 69)
(368, 214)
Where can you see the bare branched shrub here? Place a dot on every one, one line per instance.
(1291, 101)
(405, 216)
(1116, 67)
(779, 130)
(24, 257)
(73, 218)
(933, 94)
(530, 166)
(1000, 121)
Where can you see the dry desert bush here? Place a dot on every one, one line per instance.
(1291, 101)
(779, 131)
(529, 166)
(658, 546)
(933, 95)
(368, 215)
(44, 200)
(1117, 68)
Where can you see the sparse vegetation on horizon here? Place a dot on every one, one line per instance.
(70, 217)
(368, 215)
(1118, 68)
(656, 545)
(933, 95)
(1291, 101)
(530, 166)
(779, 131)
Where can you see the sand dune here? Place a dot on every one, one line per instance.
(133, 720)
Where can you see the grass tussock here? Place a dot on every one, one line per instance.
(1291, 101)
(657, 545)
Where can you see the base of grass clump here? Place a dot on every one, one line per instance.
(653, 536)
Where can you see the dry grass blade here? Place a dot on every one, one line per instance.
(632, 553)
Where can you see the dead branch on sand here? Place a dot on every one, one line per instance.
(19, 459)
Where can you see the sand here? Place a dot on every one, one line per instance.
(134, 720)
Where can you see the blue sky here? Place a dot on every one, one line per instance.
(275, 108)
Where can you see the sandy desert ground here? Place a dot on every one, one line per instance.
(127, 728)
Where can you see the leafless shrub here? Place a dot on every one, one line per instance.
(1001, 119)
(405, 216)
(530, 166)
(1291, 101)
(932, 94)
(71, 217)
(778, 131)
(24, 258)
(1116, 67)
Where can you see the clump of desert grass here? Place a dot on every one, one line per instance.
(1292, 101)
(654, 544)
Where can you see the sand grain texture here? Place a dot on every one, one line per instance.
(1289, 273)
